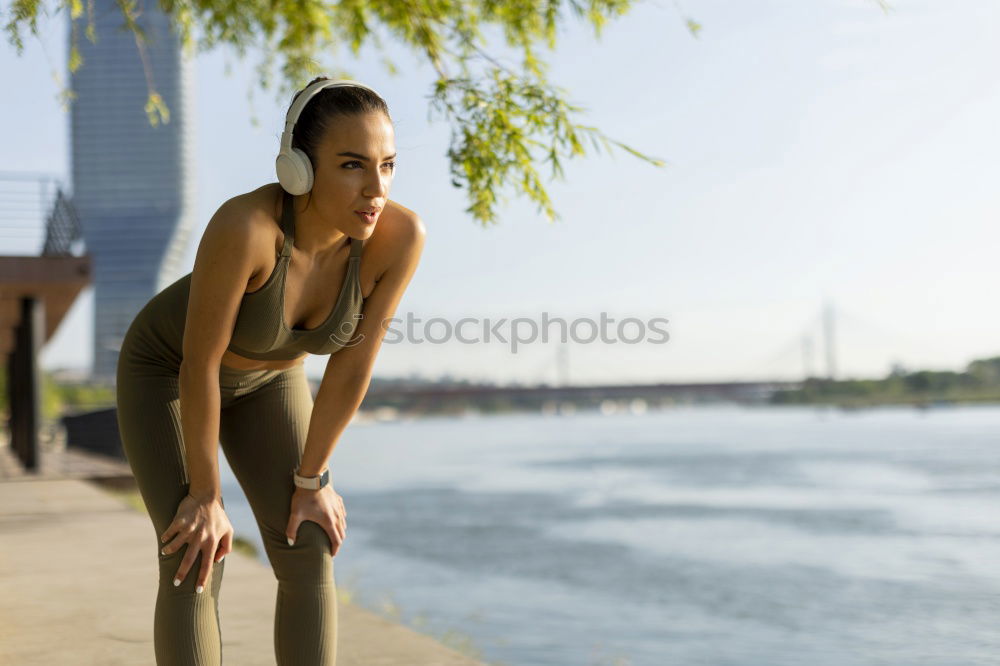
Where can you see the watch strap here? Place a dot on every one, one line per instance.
(311, 482)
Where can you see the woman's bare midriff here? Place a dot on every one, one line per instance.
(237, 362)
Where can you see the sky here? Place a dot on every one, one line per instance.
(820, 154)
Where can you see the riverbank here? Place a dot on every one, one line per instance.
(77, 585)
(879, 401)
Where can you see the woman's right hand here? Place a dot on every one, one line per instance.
(203, 525)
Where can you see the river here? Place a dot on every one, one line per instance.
(716, 536)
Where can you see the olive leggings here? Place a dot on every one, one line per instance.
(263, 422)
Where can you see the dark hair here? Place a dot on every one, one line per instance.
(325, 107)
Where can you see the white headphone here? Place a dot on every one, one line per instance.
(295, 171)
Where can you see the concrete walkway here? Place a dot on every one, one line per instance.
(77, 586)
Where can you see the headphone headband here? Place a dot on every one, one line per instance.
(303, 98)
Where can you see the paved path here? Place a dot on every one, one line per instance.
(77, 586)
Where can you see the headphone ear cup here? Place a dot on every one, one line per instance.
(294, 171)
(307, 170)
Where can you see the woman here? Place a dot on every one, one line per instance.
(217, 356)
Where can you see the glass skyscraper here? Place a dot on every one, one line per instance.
(133, 183)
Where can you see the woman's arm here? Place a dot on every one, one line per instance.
(223, 267)
(348, 372)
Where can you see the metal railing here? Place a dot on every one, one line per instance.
(37, 217)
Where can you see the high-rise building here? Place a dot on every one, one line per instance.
(133, 182)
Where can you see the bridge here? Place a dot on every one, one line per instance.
(458, 397)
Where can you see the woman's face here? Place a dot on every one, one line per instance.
(354, 171)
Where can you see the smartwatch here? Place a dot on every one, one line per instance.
(312, 482)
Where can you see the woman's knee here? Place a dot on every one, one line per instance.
(170, 564)
(308, 562)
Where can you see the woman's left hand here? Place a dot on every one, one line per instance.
(324, 507)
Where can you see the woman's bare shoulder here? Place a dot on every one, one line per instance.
(254, 218)
(262, 205)
(399, 209)
(397, 230)
(398, 226)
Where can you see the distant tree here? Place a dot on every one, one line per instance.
(985, 371)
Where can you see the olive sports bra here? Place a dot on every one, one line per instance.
(261, 332)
